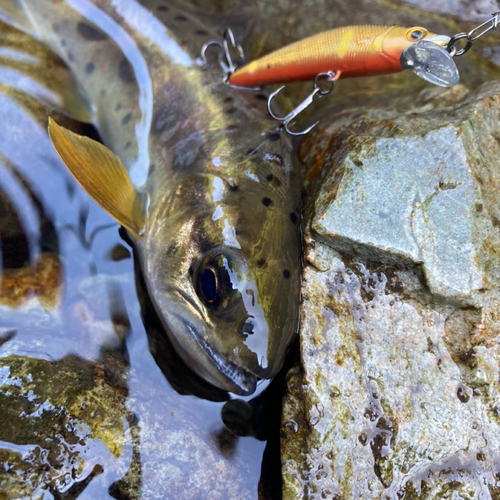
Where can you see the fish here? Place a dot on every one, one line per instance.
(207, 190)
(352, 51)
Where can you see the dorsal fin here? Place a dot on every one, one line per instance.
(101, 174)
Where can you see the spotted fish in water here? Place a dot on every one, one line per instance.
(208, 194)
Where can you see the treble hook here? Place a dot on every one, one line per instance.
(225, 59)
(318, 91)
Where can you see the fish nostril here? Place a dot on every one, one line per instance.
(248, 327)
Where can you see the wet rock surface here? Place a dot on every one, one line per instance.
(397, 396)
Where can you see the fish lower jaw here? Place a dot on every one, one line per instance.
(243, 381)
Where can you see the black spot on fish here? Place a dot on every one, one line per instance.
(90, 33)
(128, 145)
(152, 168)
(286, 273)
(266, 201)
(201, 32)
(125, 71)
(233, 188)
(261, 97)
(260, 263)
(228, 99)
(118, 107)
(127, 118)
(273, 136)
(163, 8)
(293, 218)
(180, 18)
(90, 68)
(278, 159)
(270, 177)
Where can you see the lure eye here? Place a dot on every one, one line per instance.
(215, 282)
(416, 34)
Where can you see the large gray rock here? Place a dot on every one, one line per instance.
(398, 392)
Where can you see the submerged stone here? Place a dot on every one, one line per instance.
(398, 392)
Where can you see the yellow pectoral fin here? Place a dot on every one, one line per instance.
(102, 174)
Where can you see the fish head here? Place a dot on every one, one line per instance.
(224, 275)
(422, 51)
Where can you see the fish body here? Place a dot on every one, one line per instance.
(216, 221)
(349, 51)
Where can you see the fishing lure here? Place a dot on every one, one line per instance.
(347, 52)
(355, 51)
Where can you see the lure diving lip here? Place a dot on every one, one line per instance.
(430, 62)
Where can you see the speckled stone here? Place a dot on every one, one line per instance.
(398, 396)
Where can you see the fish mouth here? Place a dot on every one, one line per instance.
(242, 381)
(431, 62)
(186, 329)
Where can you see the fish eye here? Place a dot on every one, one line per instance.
(215, 281)
(208, 286)
(416, 34)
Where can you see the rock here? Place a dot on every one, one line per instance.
(56, 418)
(398, 392)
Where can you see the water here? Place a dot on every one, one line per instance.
(94, 402)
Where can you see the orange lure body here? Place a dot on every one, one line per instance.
(349, 51)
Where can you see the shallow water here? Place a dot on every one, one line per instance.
(94, 402)
(86, 410)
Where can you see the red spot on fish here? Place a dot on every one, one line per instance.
(103, 65)
(231, 127)
(133, 107)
